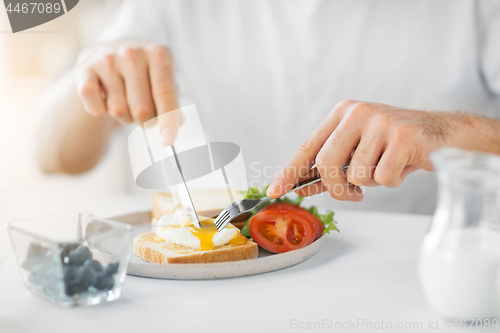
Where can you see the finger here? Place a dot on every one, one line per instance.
(334, 155)
(134, 68)
(90, 92)
(392, 164)
(311, 190)
(114, 88)
(161, 73)
(407, 170)
(365, 159)
(303, 159)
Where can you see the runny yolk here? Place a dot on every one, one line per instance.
(238, 240)
(206, 235)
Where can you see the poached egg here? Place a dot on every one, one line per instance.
(177, 228)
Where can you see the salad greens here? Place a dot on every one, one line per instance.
(327, 219)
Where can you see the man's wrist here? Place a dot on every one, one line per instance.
(473, 132)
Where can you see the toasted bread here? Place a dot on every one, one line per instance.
(207, 203)
(148, 248)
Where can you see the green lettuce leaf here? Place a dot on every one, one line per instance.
(245, 231)
(327, 219)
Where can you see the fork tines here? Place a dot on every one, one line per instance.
(220, 221)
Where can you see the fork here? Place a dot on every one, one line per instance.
(243, 206)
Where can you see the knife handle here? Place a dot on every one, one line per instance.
(306, 182)
(312, 180)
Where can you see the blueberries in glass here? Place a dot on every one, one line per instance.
(94, 264)
(103, 282)
(81, 272)
(112, 268)
(79, 255)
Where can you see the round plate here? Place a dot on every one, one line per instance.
(266, 262)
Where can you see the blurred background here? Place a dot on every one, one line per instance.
(29, 62)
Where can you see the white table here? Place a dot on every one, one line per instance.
(365, 273)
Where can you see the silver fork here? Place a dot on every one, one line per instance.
(243, 206)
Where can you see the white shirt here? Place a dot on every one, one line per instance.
(264, 74)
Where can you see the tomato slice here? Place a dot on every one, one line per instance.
(318, 226)
(288, 207)
(281, 231)
(281, 207)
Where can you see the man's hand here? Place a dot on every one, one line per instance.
(383, 144)
(133, 81)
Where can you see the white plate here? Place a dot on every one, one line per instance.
(266, 262)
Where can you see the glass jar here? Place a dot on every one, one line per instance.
(459, 261)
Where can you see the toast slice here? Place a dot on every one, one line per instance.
(207, 203)
(148, 248)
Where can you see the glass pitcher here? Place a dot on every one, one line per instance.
(460, 257)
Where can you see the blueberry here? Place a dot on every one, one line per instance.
(103, 282)
(75, 289)
(97, 279)
(71, 275)
(72, 280)
(70, 291)
(79, 255)
(96, 265)
(112, 268)
(79, 279)
(86, 276)
(65, 249)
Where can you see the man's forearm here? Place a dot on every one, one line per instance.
(69, 140)
(475, 132)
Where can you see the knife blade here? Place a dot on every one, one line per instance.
(184, 195)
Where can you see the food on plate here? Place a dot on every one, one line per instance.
(282, 225)
(278, 226)
(176, 240)
(207, 203)
(283, 207)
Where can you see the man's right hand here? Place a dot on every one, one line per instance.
(133, 81)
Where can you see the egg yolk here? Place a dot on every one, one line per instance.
(206, 235)
(238, 240)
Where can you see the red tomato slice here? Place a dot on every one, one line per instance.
(318, 226)
(281, 231)
(281, 207)
(287, 207)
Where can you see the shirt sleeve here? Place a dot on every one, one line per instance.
(137, 19)
(489, 43)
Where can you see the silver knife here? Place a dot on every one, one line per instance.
(184, 196)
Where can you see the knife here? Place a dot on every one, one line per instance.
(184, 196)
